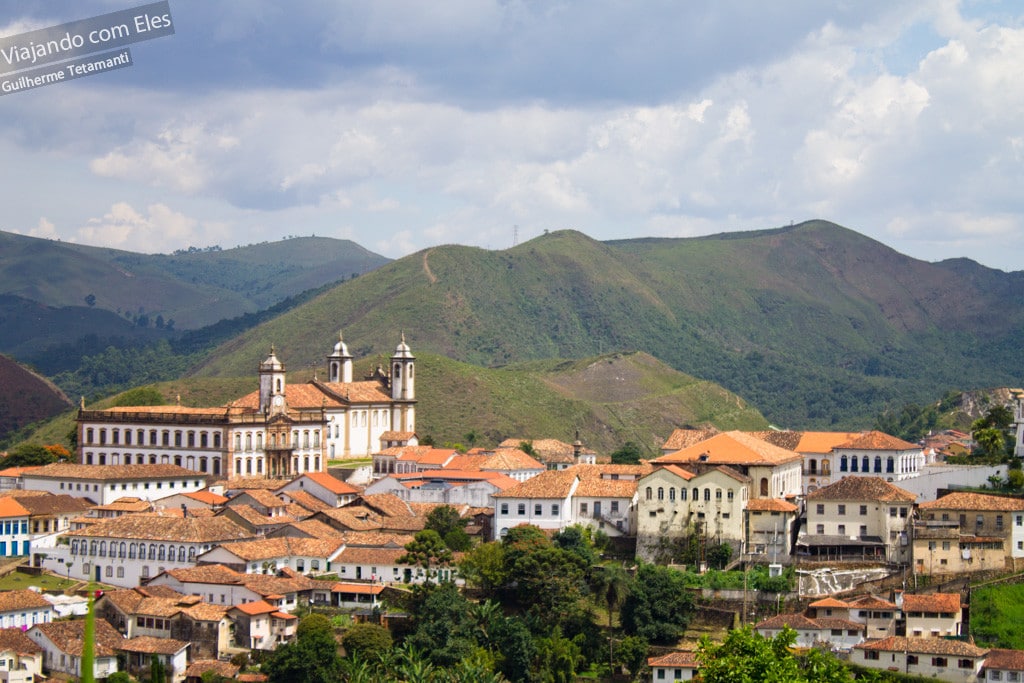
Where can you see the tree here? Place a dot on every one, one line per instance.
(576, 539)
(157, 670)
(628, 454)
(610, 584)
(746, 655)
(445, 627)
(484, 567)
(632, 653)
(447, 522)
(719, 555)
(90, 300)
(427, 550)
(366, 641)
(659, 605)
(123, 677)
(1015, 478)
(140, 396)
(311, 658)
(28, 455)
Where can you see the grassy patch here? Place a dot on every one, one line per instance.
(996, 615)
(47, 582)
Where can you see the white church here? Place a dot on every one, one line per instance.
(280, 430)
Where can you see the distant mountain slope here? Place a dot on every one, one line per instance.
(25, 397)
(814, 324)
(194, 288)
(609, 399)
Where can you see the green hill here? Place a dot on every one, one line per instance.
(610, 399)
(194, 288)
(25, 397)
(815, 324)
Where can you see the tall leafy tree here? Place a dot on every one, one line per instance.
(311, 658)
(658, 606)
(428, 551)
(445, 628)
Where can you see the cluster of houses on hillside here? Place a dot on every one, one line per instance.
(212, 527)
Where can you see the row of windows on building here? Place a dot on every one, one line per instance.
(913, 660)
(359, 418)
(109, 571)
(182, 438)
(255, 465)
(649, 493)
(68, 486)
(205, 464)
(131, 551)
(850, 464)
(901, 512)
(254, 441)
(979, 520)
(11, 528)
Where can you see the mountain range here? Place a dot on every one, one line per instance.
(814, 325)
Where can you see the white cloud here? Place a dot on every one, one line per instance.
(158, 229)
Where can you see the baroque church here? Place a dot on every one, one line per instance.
(279, 430)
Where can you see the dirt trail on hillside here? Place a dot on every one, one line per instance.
(426, 267)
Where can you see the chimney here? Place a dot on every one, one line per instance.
(184, 511)
(577, 446)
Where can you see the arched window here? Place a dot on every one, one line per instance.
(152, 551)
(661, 493)
(707, 494)
(889, 465)
(103, 548)
(181, 553)
(865, 462)
(74, 547)
(131, 551)
(729, 495)
(696, 494)
(812, 465)
(682, 494)
(191, 553)
(878, 463)
(162, 553)
(826, 467)
(764, 487)
(279, 386)
(650, 493)
(718, 494)
(92, 548)
(843, 464)
(216, 440)
(672, 494)
(853, 464)
(121, 549)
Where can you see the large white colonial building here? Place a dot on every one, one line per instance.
(280, 430)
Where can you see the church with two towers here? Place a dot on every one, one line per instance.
(279, 430)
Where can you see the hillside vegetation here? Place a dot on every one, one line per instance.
(814, 324)
(628, 397)
(25, 397)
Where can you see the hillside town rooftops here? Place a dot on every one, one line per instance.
(69, 636)
(547, 484)
(732, 448)
(22, 599)
(926, 645)
(684, 438)
(877, 441)
(15, 640)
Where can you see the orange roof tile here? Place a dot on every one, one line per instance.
(928, 646)
(332, 484)
(1007, 660)
(877, 441)
(684, 438)
(960, 500)
(770, 505)
(731, 448)
(863, 488)
(680, 659)
(934, 602)
(9, 507)
(547, 484)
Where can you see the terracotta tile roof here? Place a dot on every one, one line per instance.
(877, 441)
(182, 530)
(732, 448)
(960, 500)
(871, 602)
(396, 436)
(925, 646)
(311, 528)
(547, 450)
(53, 504)
(209, 573)
(163, 410)
(770, 505)
(257, 518)
(386, 503)
(126, 504)
(15, 640)
(547, 484)
(355, 518)
(207, 497)
(782, 438)
(934, 602)
(151, 645)
(685, 475)
(684, 438)
(846, 624)
(204, 611)
(730, 472)
(68, 636)
(270, 548)
(17, 471)
(224, 669)
(247, 483)
(358, 392)
(511, 459)
(606, 488)
(833, 603)
(332, 483)
(377, 557)
(251, 678)
(357, 588)
(261, 496)
(863, 488)
(9, 507)
(110, 472)
(823, 442)
(254, 608)
(25, 493)
(470, 461)
(20, 599)
(1008, 660)
(275, 587)
(376, 539)
(305, 499)
(680, 659)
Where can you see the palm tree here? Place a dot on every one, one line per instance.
(611, 583)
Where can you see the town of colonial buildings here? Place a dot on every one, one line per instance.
(211, 530)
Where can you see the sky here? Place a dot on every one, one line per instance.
(402, 124)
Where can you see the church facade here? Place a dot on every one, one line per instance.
(279, 430)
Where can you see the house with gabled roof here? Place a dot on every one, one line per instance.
(769, 529)
(139, 653)
(674, 502)
(833, 633)
(268, 555)
(543, 501)
(1003, 665)
(62, 644)
(322, 486)
(103, 484)
(775, 472)
(858, 518)
(21, 659)
(982, 515)
(261, 626)
(23, 608)
(555, 454)
(674, 666)
(125, 550)
(14, 530)
(931, 614)
(945, 660)
(604, 501)
(878, 454)
(878, 615)
(683, 438)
